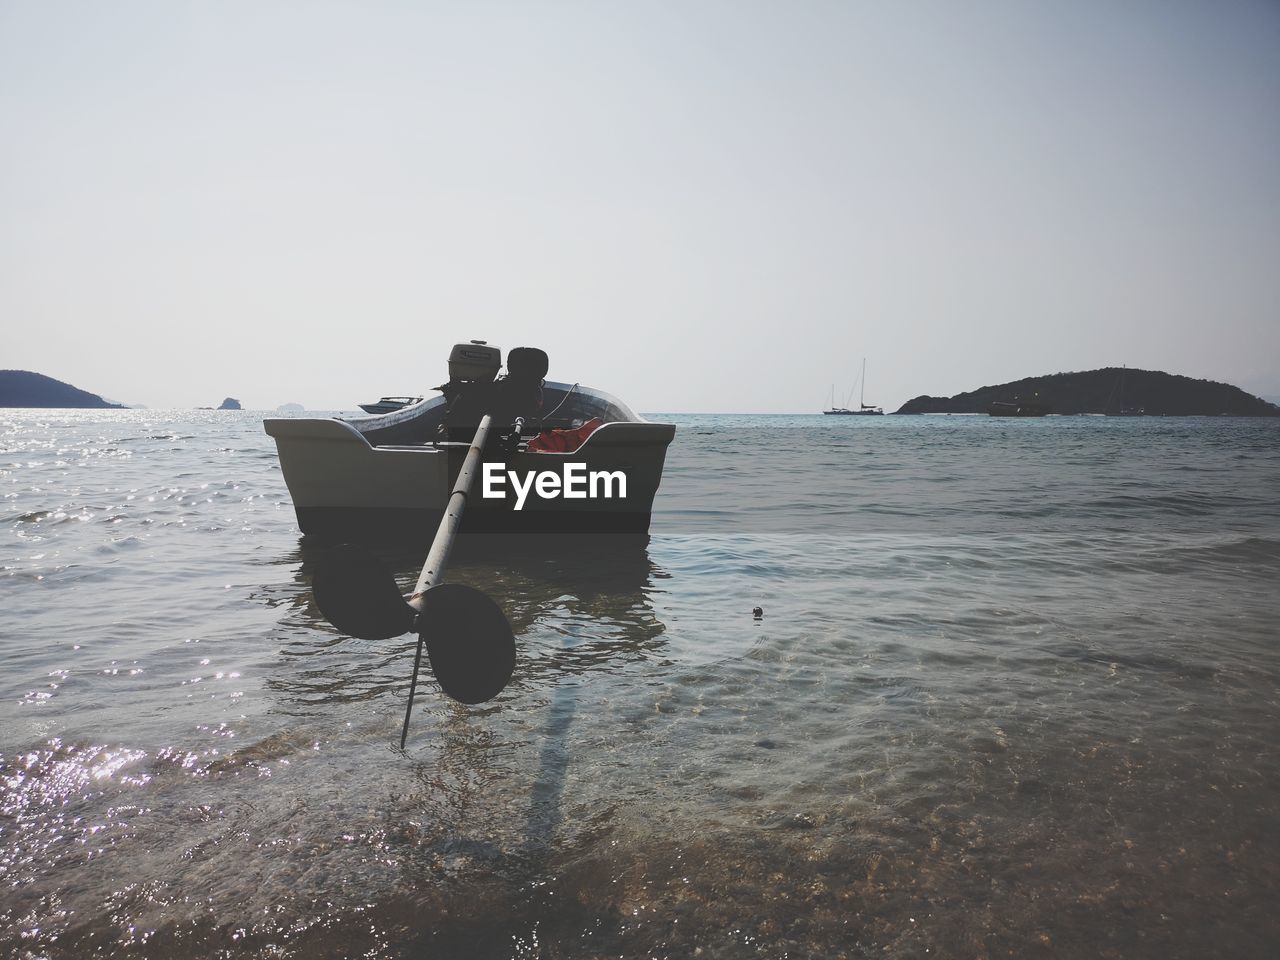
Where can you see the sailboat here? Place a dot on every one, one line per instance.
(1120, 410)
(864, 409)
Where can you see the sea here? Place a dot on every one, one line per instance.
(1014, 692)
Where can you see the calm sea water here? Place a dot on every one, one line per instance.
(1015, 693)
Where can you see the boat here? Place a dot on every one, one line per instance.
(864, 409)
(388, 404)
(1017, 408)
(1120, 410)
(386, 478)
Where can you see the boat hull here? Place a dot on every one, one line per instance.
(345, 488)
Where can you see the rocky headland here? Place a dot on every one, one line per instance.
(22, 388)
(1111, 390)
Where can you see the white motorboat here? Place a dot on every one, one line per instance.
(387, 478)
(387, 404)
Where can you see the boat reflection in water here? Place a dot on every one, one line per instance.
(596, 590)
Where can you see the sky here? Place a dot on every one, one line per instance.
(695, 205)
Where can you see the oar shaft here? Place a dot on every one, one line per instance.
(438, 555)
(413, 686)
(446, 533)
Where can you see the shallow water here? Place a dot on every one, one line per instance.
(1014, 693)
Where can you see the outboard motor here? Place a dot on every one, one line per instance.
(520, 391)
(474, 362)
(472, 392)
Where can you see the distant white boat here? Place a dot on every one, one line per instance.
(388, 404)
(864, 409)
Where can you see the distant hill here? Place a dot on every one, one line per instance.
(1109, 390)
(230, 403)
(22, 388)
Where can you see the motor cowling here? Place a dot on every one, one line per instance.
(527, 363)
(519, 393)
(474, 362)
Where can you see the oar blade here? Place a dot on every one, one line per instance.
(469, 642)
(358, 594)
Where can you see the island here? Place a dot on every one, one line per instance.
(1115, 391)
(22, 388)
(230, 403)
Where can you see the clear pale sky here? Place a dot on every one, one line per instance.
(699, 206)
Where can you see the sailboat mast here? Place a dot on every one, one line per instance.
(862, 397)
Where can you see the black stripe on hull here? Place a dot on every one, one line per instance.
(417, 527)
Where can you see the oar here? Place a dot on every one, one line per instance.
(468, 640)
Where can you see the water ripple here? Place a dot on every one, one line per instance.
(1014, 692)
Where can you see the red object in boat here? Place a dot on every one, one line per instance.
(564, 441)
